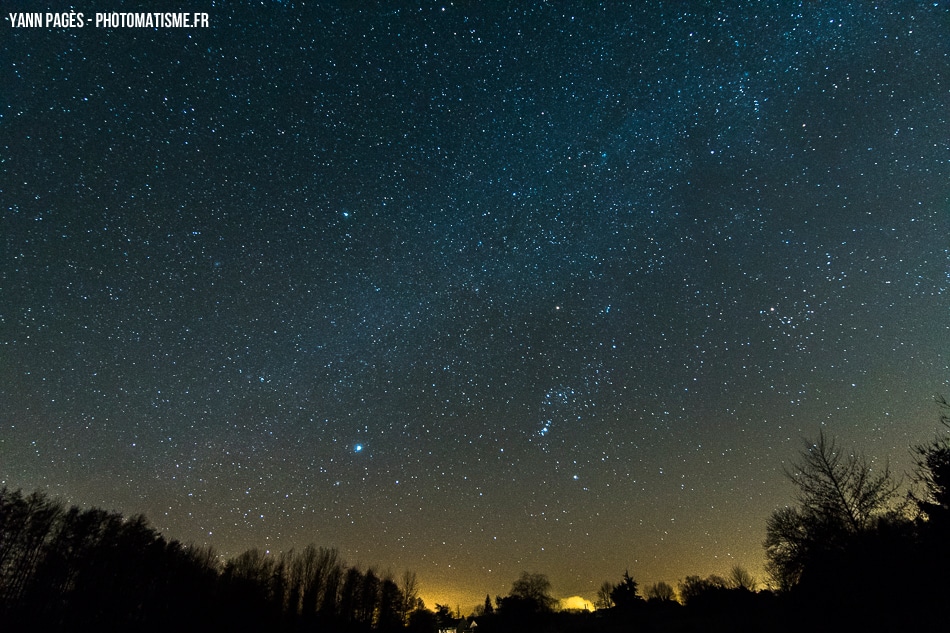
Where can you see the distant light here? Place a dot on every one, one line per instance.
(358, 448)
(576, 603)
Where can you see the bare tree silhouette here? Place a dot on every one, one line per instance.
(604, 601)
(839, 494)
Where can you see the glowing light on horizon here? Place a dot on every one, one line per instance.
(576, 603)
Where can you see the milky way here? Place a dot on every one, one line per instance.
(473, 288)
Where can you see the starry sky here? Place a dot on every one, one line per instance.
(472, 288)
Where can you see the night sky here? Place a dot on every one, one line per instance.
(472, 288)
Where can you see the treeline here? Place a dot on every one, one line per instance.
(702, 604)
(73, 569)
(853, 551)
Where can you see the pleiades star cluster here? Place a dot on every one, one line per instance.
(472, 288)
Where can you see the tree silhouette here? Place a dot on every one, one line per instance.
(932, 523)
(422, 621)
(838, 496)
(389, 616)
(27, 526)
(933, 473)
(624, 594)
(330, 600)
(368, 604)
(695, 591)
(604, 601)
(410, 594)
(443, 616)
(309, 570)
(534, 590)
(661, 592)
(350, 598)
(740, 578)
